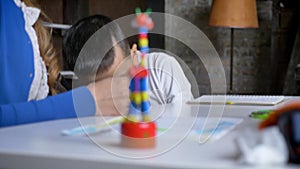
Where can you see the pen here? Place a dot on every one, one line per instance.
(229, 102)
(261, 114)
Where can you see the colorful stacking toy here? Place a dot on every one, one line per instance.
(138, 133)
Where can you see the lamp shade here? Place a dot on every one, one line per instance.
(233, 14)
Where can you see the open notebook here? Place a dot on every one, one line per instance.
(238, 99)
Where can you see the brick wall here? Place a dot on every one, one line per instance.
(252, 47)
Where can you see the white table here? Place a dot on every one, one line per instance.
(41, 145)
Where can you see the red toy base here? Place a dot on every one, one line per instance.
(138, 135)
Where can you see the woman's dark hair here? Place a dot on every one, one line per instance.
(89, 63)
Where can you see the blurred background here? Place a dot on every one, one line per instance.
(265, 58)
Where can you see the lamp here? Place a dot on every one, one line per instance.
(233, 14)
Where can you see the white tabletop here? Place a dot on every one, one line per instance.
(41, 145)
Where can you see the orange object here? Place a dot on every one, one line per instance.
(233, 14)
(138, 71)
(274, 116)
(138, 134)
(144, 20)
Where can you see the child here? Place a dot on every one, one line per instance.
(167, 81)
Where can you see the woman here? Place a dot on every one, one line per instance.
(29, 70)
